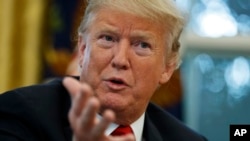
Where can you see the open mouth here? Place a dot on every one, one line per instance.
(117, 81)
(116, 84)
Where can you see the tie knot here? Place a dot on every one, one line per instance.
(122, 130)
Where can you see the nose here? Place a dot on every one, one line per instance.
(120, 60)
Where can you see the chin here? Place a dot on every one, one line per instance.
(115, 102)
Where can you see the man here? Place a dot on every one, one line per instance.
(127, 50)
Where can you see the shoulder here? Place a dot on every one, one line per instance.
(169, 127)
(34, 98)
(35, 93)
(38, 111)
(47, 90)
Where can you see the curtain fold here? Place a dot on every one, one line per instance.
(21, 41)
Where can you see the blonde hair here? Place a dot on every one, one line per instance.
(161, 11)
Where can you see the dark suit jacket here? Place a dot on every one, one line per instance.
(39, 113)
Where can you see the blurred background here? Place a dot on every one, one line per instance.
(210, 91)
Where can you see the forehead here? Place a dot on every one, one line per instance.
(118, 21)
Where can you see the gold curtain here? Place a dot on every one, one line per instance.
(21, 38)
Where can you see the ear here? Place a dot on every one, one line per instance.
(168, 70)
(81, 45)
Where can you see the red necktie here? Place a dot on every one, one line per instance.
(122, 130)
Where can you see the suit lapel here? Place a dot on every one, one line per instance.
(150, 132)
(67, 133)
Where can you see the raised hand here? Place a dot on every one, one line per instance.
(82, 114)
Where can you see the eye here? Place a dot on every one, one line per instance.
(142, 48)
(107, 38)
(144, 45)
(106, 41)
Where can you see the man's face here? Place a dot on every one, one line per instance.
(122, 57)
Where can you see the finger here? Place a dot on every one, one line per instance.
(72, 115)
(78, 104)
(88, 115)
(74, 86)
(99, 129)
(79, 93)
(128, 137)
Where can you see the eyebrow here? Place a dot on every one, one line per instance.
(108, 28)
(136, 34)
(145, 35)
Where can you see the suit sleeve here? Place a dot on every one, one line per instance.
(13, 126)
(7, 138)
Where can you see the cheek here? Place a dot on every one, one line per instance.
(147, 78)
(94, 63)
(95, 56)
(100, 58)
(149, 70)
